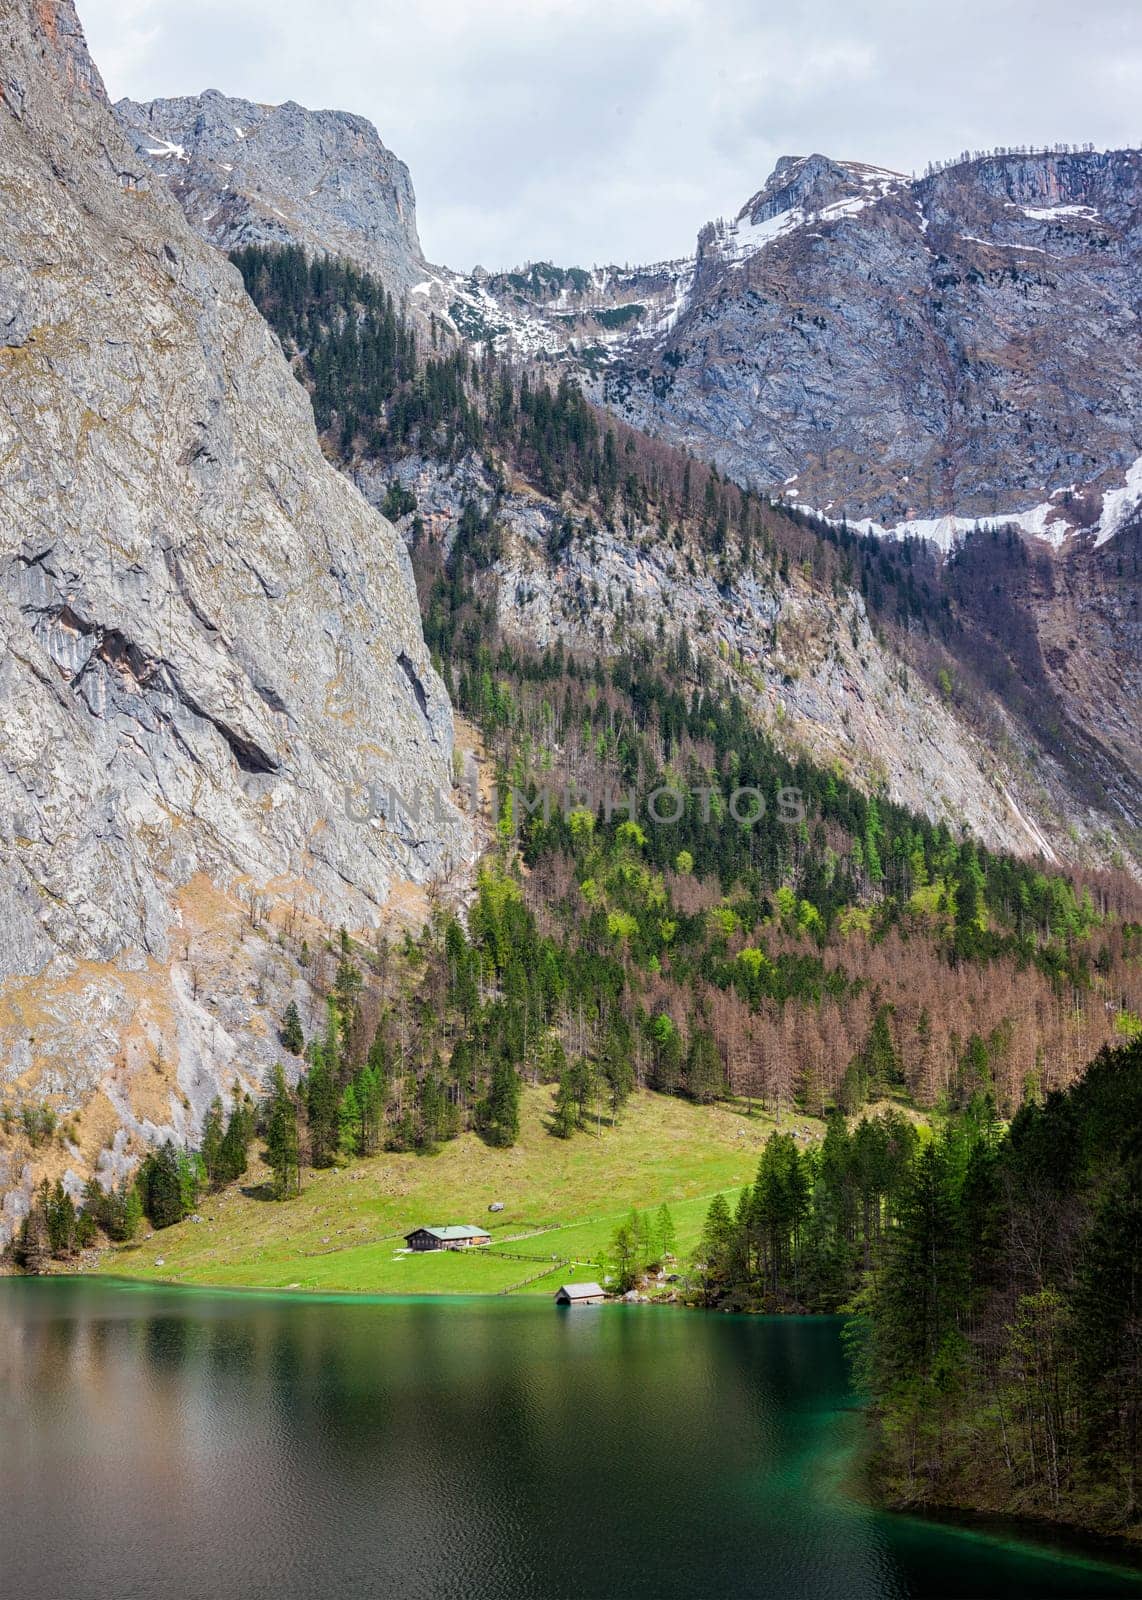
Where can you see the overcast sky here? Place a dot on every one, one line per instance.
(590, 131)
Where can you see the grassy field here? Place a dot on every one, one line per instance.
(562, 1199)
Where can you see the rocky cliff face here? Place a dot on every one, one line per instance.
(966, 343)
(211, 645)
(252, 174)
(843, 408)
(919, 354)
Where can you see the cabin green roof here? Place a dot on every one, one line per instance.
(453, 1231)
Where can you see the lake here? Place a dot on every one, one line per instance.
(159, 1443)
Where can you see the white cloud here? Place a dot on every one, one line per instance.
(592, 130)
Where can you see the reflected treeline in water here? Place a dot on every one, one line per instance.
(160, 1442)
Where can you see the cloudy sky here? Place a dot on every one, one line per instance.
(589, 131)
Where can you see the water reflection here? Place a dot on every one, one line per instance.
(159, 1443)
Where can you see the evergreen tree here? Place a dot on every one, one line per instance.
(715, 1246)
(129, 1214)
(292, 1035)
(162, 1186)
(33, 1249)
(667, 1235)
(282, 1144)
(191, 1178)
(213, 1134)
(666, 1043)
(565, 1117)
(500, 1110)
(347, 989)
(705, 1079)
(322, 1095)
(233, 1155)
(617, 1071)
(349, 1122)
(60, 1216)
(371, 1087)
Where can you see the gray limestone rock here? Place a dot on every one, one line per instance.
(966, 343)
(211, 645)
(253, 174)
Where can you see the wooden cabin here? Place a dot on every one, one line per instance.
(579, 1294)
(455, 1236)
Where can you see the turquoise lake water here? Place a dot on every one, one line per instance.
(162, 1443)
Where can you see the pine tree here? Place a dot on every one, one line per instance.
(372, 1095)
(292, 1035)
(322, 1097)
(666, 1044)
(33, 1250)
(349, 1122)
(500, 1110)
(213, 1135)
(131, 1213)
(191, 1178)
(60, 1215)
(282, 1148)
(565, 1114)
(347, 989)
(161, 1186)
(233, 1156)
(713, 1253)
(705, 1079)
(617, 1072)
(667, 1236)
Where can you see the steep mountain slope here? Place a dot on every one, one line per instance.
(953, 643)
(1061, 781)
(906, 351)
(965, 343)
(254, 174)
(904, 669)
(815, 668)
(210, 643)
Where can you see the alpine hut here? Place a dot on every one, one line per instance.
(455, 1236)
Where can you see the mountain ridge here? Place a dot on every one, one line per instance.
(824, 345)
(546, 318)
(200, 694)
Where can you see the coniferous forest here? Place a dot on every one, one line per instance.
(570, 836)
(993, 1276)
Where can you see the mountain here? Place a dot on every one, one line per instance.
(211, 646)
(702, 353)
(213, 642)
(868, 344)
(255, 174)
(857, 341)
(920, 677)
(962, 344)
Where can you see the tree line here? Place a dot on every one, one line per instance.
(995, 1279)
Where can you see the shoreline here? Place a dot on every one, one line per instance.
(1068, 1541)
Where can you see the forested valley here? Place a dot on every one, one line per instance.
(831, 951)
(828, 954)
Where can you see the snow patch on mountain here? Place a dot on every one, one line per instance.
(1120, 504)
(1047, 521)
(1050, 213)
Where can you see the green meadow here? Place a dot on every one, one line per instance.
(562, 1199)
